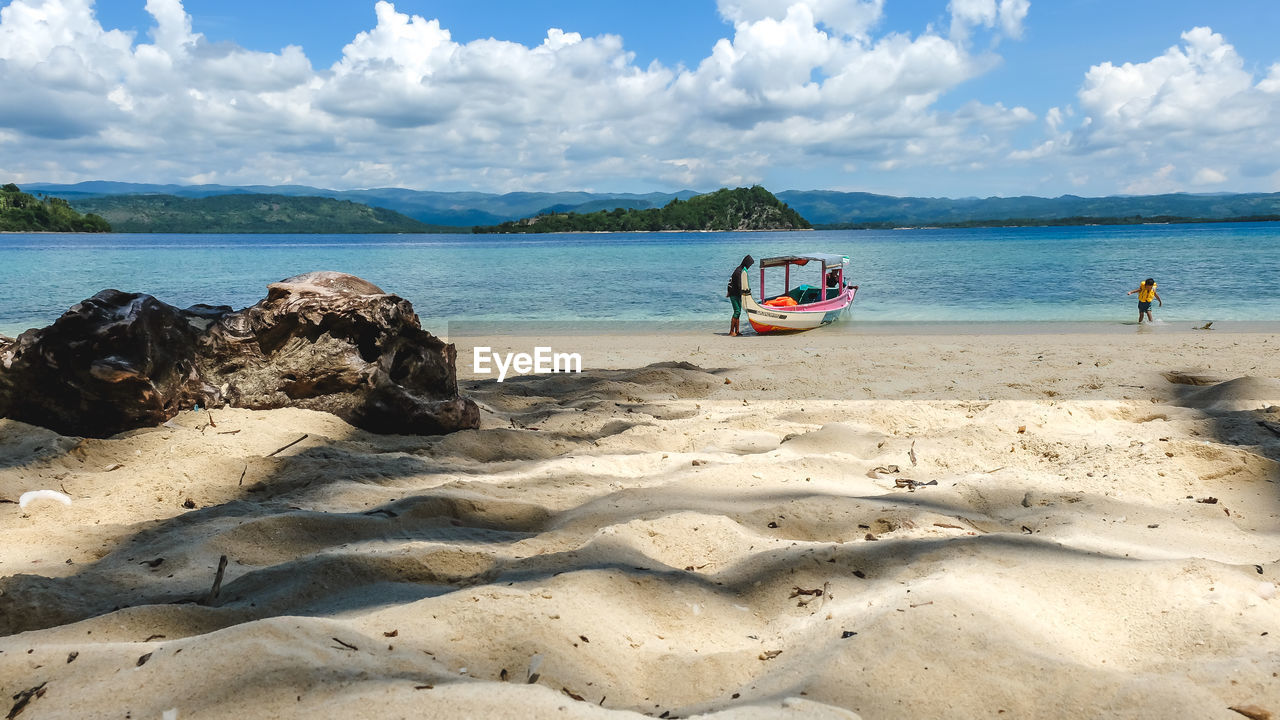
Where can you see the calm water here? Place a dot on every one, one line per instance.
(1220, 272)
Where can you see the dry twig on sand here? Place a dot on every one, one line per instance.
(286, 447)
(217, 582)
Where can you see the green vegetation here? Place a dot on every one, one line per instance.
(456, 212)
(1052, 222)
(246, 213)
(460, 211)
(831, 210)
(26, 213)
(751, 208)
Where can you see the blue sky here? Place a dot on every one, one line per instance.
(955, 98)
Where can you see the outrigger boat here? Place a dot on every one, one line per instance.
(803, 307)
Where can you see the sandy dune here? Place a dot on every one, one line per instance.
(823, 525)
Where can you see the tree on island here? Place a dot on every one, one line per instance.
(751, 208)
(23, 212)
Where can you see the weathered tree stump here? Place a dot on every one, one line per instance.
(322, 341)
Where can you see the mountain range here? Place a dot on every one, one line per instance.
(246, 213)
(822, 208)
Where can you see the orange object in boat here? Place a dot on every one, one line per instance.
(782, 301)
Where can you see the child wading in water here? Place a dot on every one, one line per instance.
(1146, 291)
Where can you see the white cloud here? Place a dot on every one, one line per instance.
(172, 33)
(794, 83)
(1053, 119)
(1208, 176)
(1194, 106)
(1008, 15)
(1160, 181)
(1200, 87)
(851, 18)
(1272, 82)
(1012, 14)
(1044, 149)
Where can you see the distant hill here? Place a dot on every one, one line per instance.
(459, 211)
(23, 212)
(751, 208)
(455, 211)
(245, 213)
(836, 209)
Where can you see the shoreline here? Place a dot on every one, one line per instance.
(696, 328)
(446, 329)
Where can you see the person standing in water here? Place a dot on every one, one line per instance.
(735, 293)
(1146, 291)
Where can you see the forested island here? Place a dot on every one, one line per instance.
(752, 208)
(247, 213)
(23, 212)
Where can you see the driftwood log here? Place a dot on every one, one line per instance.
(322, 341)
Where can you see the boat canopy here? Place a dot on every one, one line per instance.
(827, 259)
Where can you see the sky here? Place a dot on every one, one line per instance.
(954, 98)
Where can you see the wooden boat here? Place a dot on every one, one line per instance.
(803, 307)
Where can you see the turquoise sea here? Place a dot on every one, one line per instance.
(1219, 272)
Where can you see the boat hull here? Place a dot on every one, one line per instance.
(795, 318)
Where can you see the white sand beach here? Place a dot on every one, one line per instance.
(820, 525)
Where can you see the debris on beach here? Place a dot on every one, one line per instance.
(122, 361)
(535, 662)
(1253, 712)
(281, 449)
(1191, 377)
(22, 699)
(808, 596)
(217, 582)
(911, 485)
(32, 496)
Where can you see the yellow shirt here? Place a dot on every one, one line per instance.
(1146, 293)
